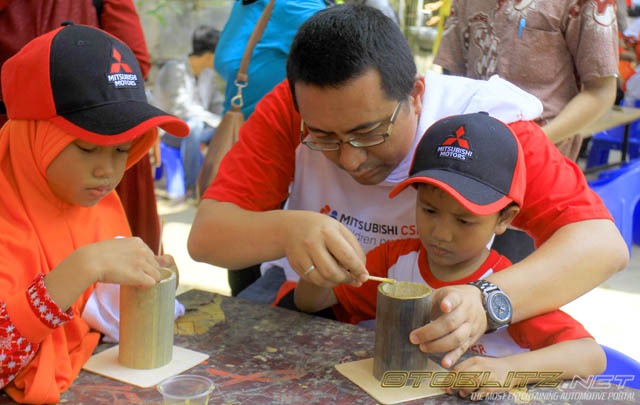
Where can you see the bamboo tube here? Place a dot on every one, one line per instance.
(401, 308)
(146, 323)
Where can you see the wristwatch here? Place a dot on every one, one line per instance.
(496, 303)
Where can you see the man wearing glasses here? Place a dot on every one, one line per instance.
(336, 137)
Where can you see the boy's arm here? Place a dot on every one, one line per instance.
(310, 298)
(550, 277)
(564, 360)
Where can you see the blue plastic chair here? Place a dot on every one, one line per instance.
(602, 143)
(620, 192)
(619, 364)
(173, 170)
(607, 175)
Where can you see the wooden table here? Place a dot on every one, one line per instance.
(266, 355)
(614, 118)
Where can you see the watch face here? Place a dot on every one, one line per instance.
(500, 307)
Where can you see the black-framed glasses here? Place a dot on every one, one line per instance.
(364, 141)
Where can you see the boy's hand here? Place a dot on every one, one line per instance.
(498, 369)
(458, 321)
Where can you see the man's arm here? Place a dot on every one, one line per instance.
(229, 236)
(595, 99)
(575, 259)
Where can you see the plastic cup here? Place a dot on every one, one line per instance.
(186, 389)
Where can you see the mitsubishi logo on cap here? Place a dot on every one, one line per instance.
(119, 65)
(120, 74)
(455, 146)
(457, 138)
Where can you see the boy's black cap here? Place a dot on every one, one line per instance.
(87, 83)
(475, 158)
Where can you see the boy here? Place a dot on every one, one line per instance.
(78, 117)
(470, 177)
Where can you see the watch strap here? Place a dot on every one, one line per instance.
(486, 288)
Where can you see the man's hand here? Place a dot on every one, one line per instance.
(323, 251)
(458, 321)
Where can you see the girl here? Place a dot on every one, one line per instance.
(78, 118)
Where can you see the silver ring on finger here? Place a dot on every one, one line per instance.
(309, 270)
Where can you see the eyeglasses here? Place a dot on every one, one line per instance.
(357, 142)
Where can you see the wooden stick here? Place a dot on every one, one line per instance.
(383, 279)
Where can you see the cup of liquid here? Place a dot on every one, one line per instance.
(186, 389)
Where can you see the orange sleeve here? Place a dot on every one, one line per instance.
(33, 312)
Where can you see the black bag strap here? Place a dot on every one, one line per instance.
(97, 4)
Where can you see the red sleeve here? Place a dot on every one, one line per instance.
(546, 330)
(557, 191)
(255, 174)
(120, 18)
(19, 345)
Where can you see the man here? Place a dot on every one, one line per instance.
(576, 48)
(355, 101)
(575, 77)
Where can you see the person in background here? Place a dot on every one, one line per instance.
(626, 51)
(23, 20)
(266, 67)
(574, 44)
(78, 116)
(339, 134)
(187, 88)
(470, 177)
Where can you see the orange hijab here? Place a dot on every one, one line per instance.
(37, 232)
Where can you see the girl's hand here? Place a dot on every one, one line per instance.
(168, 262)
(126, 261)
